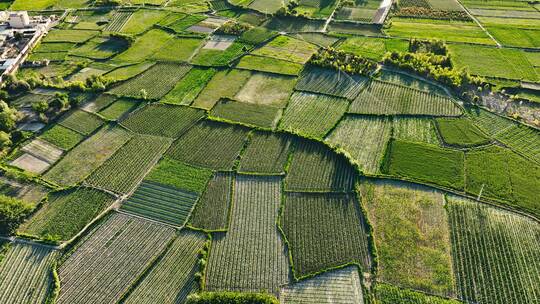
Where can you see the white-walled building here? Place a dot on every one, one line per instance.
(19, 19)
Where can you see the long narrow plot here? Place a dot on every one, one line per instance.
(172, 279)
(252, 255)
(364, 139)
(340, 286)
(25, 274)
(384, 98)
(324, 231)
(316, 168)
(110, 259)
(212, 210)
(495, 254)
(126, 168)
(210, 144)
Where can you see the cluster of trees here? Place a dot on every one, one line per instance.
(12, 213)
(422, 12)
(430, 59)
(233, 27)
(290, 10)
(231, 298)
(342, 61)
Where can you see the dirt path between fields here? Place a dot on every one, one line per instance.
(479, 24)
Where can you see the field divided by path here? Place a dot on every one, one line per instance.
(251, 256)
(495, 254)
(25, 274)
(110, 259)
(172, 278)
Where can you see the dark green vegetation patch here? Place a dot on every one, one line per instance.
(460, 132)
(212, 210)
(266, 153)
(81, 121)
(178, 175)
(247, 113)
(62, 137)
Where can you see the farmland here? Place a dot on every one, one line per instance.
(269, 151)
(324, 231)
(261, 263)
(135, 158)
(24, 274)
(496, 240)
(88, 275)
(328, 172)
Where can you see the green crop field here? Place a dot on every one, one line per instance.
(142, 20)
(123, 238)
(66, 213)
(330, 82)
(425, 163)
(178, 175)
(247, 113)
(223, 84)
(146, 45)
(267, 89)
(118, 109)
(324, 231)
(125, 73)
(82, 122)
(266, 153)
(62, 137)
(100, 48)
(316, 168)
(210, 144)
(403, 217)
(382, 98)
(460, 132)
(154, 119)
(189, 87)
(270, 65)
(372, 48)
(388, 294)
(25, 273)
(312, 115)
(135, 158)
(77, 36)
(497, 241)
(414, 129)
(362, 139)
(88, 156)
(251, 256)
(178, 49)
(172, 278)
(212, 210)
(146, 86)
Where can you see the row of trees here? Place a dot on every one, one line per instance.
(343, 61)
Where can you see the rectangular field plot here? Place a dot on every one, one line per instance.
(330, 82)
(498, 173)
(126, 72)
(153, 83)
(455, 31)
(172, 278)
(118, 20)
(501, 241)
(414, 129)
(100, 48)
(66, 213)
(43, 150)
(247, 113)
(213, 57)
(460, 132)
(170, 172)
(363, 139)
(403, 217)
(324, 231)
(316, 168)
(340, 286)
(160, 202)
(267, 89)
(266, 153)
(141, 20)
(30, 163)
(119, 109)
(312, 115)
(518, 137)
(81, 121)
(388, 294)
(126, 168)
(163, 120)
(87, 156)
(251, 256)
(110, 259)
(224, 84)
(287, 48)
(383, 98)
(427, 163)
(189, 87)
(25, 274)
(145, 46)
(210, 144)
(74, 36)
(270, 65)
(178, 49)
(212, 210)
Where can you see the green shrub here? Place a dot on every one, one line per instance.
(231, 298)
(12, 213)
(343, 61)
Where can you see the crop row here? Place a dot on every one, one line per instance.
(383, 98)
(495, 254)
(126, 168)
(266, 152)
(251, 256)
(330, 82)
(24, 274)
(118, 20)
(156, 119)
(111, 257)
(212, 210)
